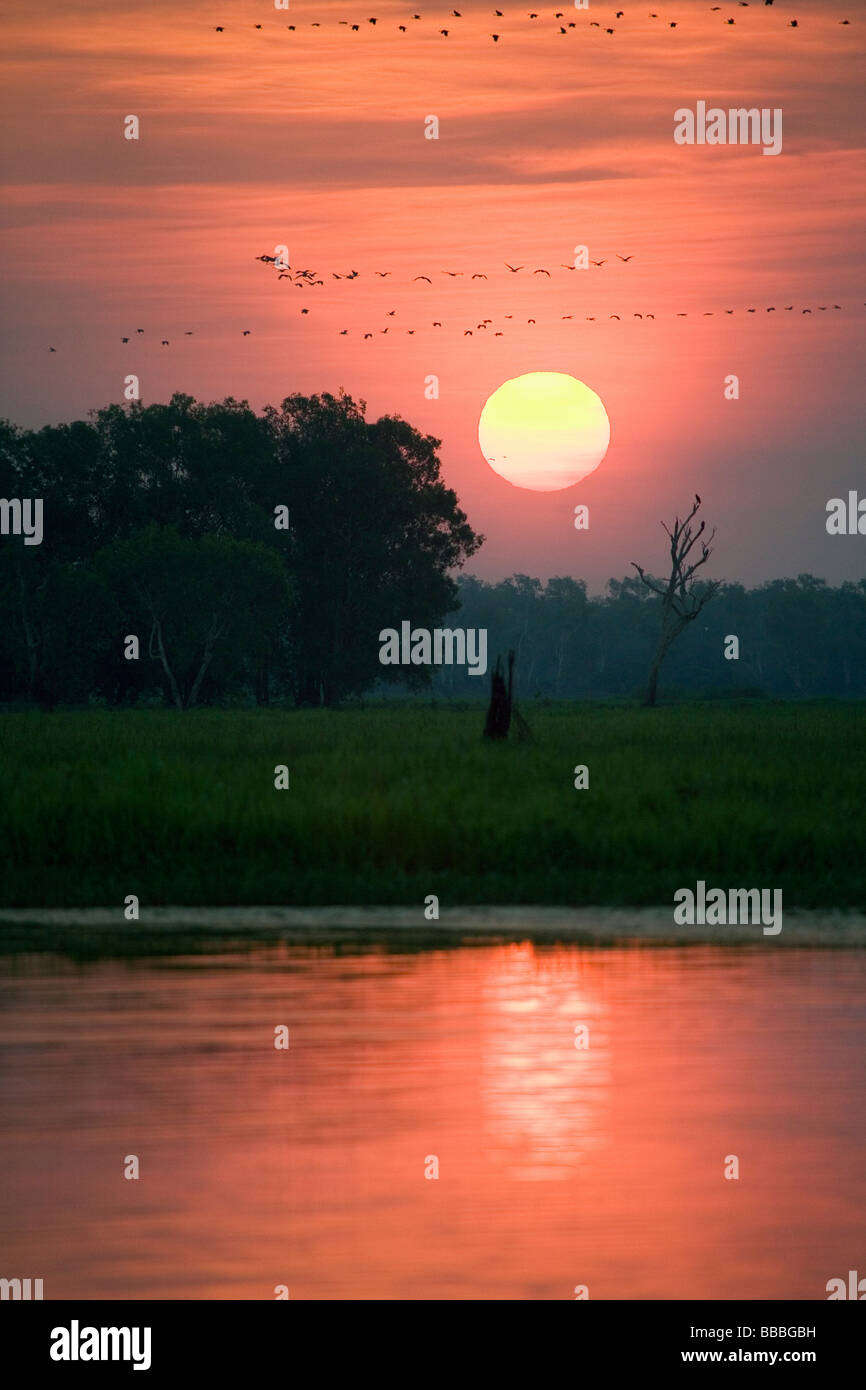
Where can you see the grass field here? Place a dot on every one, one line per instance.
(389, 804)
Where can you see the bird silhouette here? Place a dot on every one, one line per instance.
(368, 335)
(124, 340)
(624, 258)
(424, 277)
(615, 316)
(495, 38)
(444, 32)
(542, 272)
(479, 276)
(383, 274)
(51, 349)
(599, 262)
(514, 268)
(165, 342)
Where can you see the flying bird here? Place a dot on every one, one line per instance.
(599, 262)
(479, 276)
(624, 258)
(124, 340)
(246, 331)
(542, 272)
(424, 277)
(514, 268)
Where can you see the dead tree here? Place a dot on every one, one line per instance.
(682, 600)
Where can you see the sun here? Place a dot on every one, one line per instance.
(544, 431)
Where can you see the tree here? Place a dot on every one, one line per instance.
(190, 601)
(375, 534)
(682, 599)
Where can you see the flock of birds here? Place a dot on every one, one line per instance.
(485, 325)
(563, 27)
(304, 279)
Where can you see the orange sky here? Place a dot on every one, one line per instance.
(315, 137)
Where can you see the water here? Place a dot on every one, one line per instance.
(558, 1166)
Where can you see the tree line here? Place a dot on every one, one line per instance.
(796, 638)
(197, 553)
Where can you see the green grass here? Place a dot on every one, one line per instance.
(388, 804)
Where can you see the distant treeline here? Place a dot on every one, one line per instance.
(797, 638)
(196, 554)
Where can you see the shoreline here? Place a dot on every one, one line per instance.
(173, 929)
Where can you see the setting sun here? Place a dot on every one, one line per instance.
(544, 431)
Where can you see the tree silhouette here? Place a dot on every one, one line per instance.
(682, 599)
